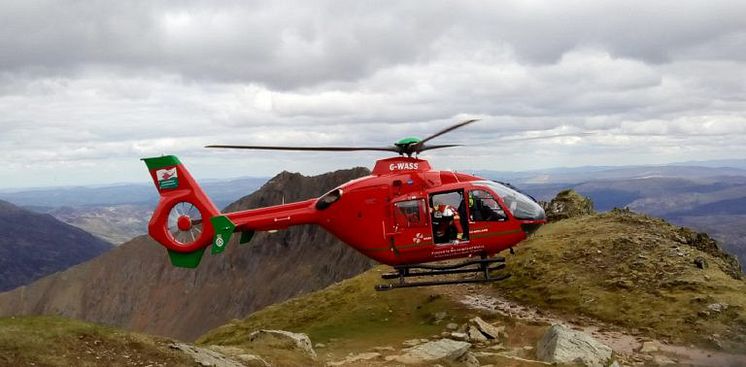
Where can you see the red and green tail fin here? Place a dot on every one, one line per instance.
(183, 220)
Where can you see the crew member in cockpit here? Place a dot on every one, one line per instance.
(446, 218)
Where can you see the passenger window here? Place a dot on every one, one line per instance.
(410, 213)
(483, 207)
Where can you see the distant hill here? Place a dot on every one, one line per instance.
(609, 173)
(135, 286)
(115, 224)
(34, 245)
(117, 213)
(222, 192)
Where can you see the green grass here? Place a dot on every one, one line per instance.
(347, 311)
(54, 341)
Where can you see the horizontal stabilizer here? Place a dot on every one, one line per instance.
(246, 236)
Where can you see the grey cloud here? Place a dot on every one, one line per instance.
(82, 83)
(289, 45)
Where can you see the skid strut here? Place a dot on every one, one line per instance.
(484, 266)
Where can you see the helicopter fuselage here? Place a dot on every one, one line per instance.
(390, 216)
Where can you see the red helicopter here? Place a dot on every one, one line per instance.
(405, 214)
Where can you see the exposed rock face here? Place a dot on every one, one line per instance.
(206, 357)
(34, 245)
(475, 335)
(489, 330)
(565, 346)
(703, 242)
(442, 350)
(283, 340)
(135, 286)
(568, 204)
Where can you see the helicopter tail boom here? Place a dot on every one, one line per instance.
(184, 220)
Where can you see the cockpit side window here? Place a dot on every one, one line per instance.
(483, 207)
(410, 213)
(522, 207)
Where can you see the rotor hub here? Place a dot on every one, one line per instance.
(184, 223)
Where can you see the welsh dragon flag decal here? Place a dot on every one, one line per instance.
(167, 178)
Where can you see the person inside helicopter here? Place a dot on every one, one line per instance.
(483, 207)
(447, 223)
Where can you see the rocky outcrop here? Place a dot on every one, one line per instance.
(490, 331)
(567, 204)
(33, 245)
(703, 242)
(443, 350)
(134, 286)
(565, 346)
(281, 339)
(206, 357)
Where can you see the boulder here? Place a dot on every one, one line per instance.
(284, 340)
(468, 360)
(489, 330)
(460, 336)
(206, 357)
(443, 350)
(475, 335)
(565, 346)
(568, 204)
(246, 359)
(649, 347)
(717, 307)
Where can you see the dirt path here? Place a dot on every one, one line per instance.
(625, 343)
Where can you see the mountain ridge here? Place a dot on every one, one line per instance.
(34, 245)
(134, 285)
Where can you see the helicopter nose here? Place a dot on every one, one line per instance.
(530, 226)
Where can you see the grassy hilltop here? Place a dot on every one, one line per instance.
(631, 271)
(634, 271)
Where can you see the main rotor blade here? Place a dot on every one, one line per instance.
(431, 147)
(547, 136)
(446, 130)
(322, 149)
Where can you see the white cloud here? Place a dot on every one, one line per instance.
(86, 84)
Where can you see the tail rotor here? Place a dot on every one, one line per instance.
(185, 223)
(181, 221)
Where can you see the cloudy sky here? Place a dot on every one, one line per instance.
(89, 87)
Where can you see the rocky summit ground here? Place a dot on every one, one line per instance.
(634, 271)
(653, 293)
(609, 289)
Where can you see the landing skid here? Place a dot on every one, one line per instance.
(483, 266)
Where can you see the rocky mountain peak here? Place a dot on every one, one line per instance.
(134, 286)
(292, 186)
(567, 204)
